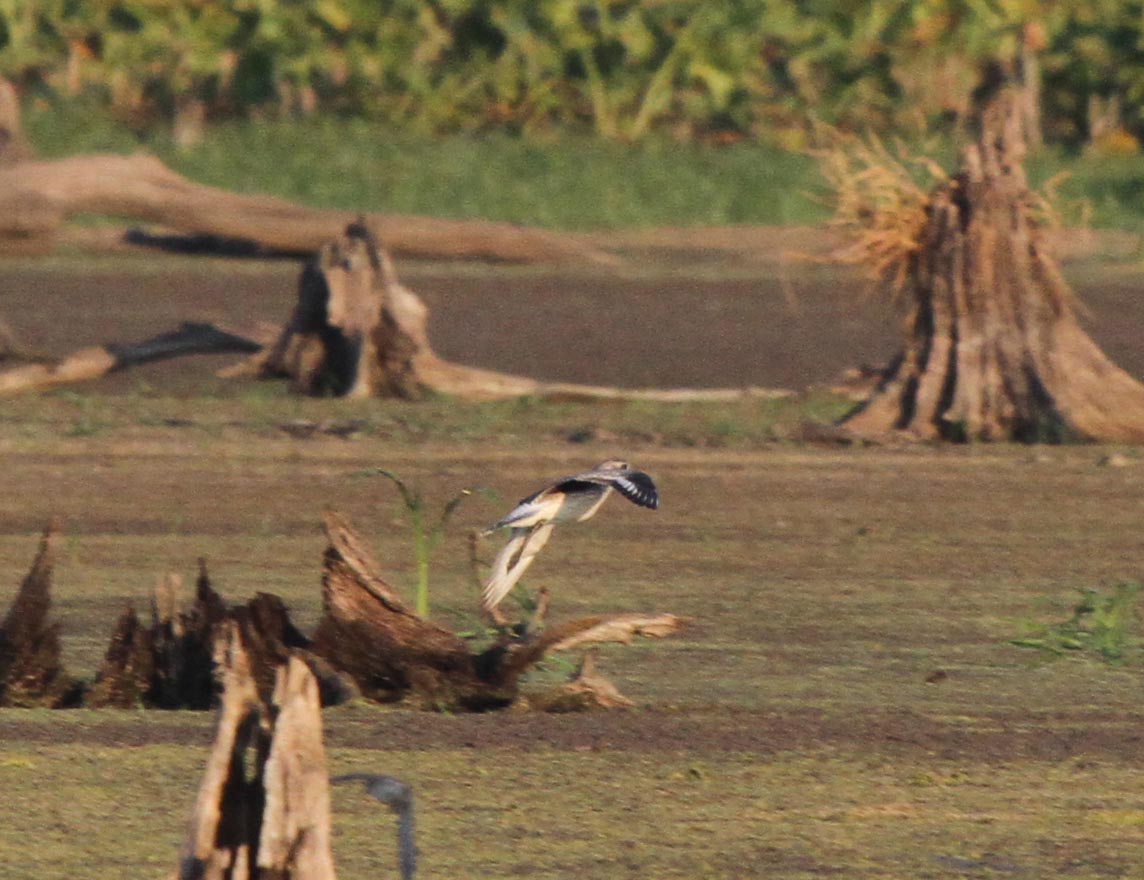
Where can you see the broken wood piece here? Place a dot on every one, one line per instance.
(219, 844)
(31, 668)
(392, 654)
(126, 678)
(295, 831)
(263, 808)
(94, 363)
(588, 689)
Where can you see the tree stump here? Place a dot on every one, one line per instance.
(356, 331)
(392, 654)
(172, 663)
(368, 642)
(126, 679)
(273, 821)
(31, 670)
(994, 349)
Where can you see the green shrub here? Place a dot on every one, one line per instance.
(1102, 624)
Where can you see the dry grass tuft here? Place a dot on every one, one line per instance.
(880, 199)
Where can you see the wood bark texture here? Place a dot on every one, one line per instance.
(392, 654)
(994, 348)
(263, 808)
(88, 364)
(31, 669)
(368, 643)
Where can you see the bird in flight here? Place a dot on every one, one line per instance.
(570, 499)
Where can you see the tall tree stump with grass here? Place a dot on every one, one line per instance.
(993, 346)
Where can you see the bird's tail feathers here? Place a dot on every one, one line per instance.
(512, 561)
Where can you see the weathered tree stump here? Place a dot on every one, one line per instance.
(994, 350)
(31, 669)
(392, 654)
(126, 678)
(273, 819)
(172, 663)
(368, 642)
(356, 331)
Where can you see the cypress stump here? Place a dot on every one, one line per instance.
(994, 349)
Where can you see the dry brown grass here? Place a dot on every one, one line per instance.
(881, 193)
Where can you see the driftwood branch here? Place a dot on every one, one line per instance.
(38, 197)
(93, 363)
(392, 654)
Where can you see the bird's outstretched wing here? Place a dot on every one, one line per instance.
(537, 507)
(636, 486)
(510, 564)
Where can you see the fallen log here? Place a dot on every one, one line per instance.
(38, 197)
(94, 363)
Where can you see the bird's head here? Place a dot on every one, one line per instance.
(613, 464)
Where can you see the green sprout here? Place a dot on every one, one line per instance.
(425, 537)
(1101, 624)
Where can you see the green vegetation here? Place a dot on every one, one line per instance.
(426, 536)
(1101, 624)
(575, 183)
(755, 68)
(569, 184)
(268, 411)
(796, 728)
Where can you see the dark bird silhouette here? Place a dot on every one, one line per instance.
(570, 499)
(398, 796)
